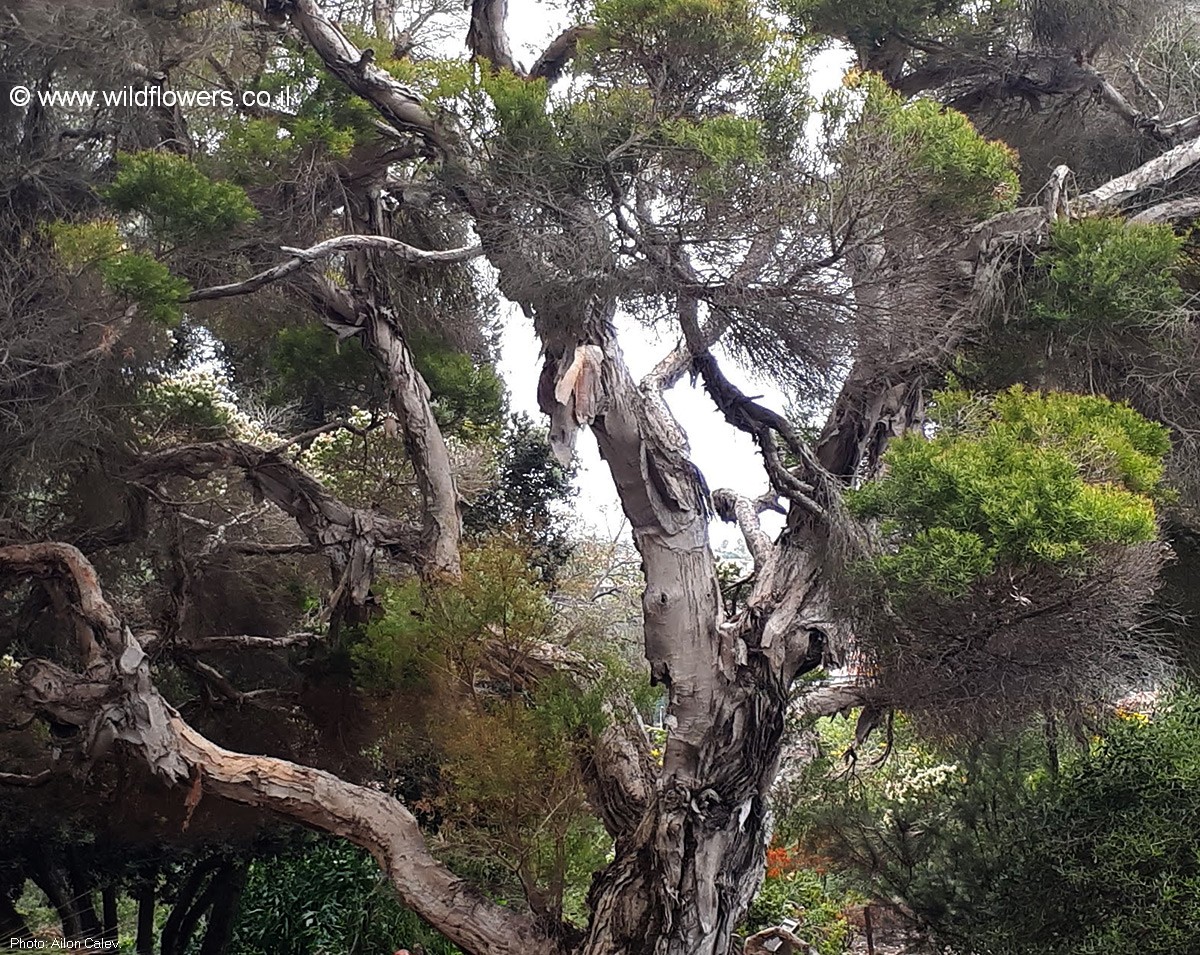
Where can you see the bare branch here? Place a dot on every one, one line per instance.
(303, 258)
(350, 536)
(1157, 171)
(735, 509)
(1174, 210)
(224, 642)
(27, 780)
(831, 699)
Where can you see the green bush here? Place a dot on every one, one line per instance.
(799, 893)
(1017, 479)
(149, 283)
(999, 856)
(180, 202)
(137, 278)
(326, 897)
(970, 176)
(1109, 273)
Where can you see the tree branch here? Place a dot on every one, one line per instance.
(735, 509)
(562, 49)
(350, 536)
(487, 37)
(221, 642)
(1157, 171)
(302, 258)
(400, 105)
(119, 695)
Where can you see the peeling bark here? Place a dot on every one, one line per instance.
(487, 37)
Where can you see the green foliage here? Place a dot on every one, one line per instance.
(468, 395)
(447, 664)
(865, 23)
(789, 891)
(311, 367)
(969, 175)
(1000, 855)
(1108, 273)
(696, 26)
(497, 598)
(149, 283)
(529, 489)
(520, 109)
(722, 140)
(326, 896)
(180, 202)
(254, 151)
(1019, 478)
(782, 101)
(683, 49)
(134, 277)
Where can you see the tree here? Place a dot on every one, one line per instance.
(886, 276)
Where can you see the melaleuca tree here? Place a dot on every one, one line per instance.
(250, 395)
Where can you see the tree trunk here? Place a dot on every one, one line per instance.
(684, 875)
(85, 903)
(144, 944)
(174, 937)
(108, 900)
(12, 922)
(52, 880)
(219, 931)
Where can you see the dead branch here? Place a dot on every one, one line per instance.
(303, 258)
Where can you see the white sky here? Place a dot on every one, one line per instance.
(725, 456)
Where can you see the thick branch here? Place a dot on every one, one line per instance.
(487, 37)
(562, 49)
(174, 750)
(1157, 171)
(1174, 210)
(400, 105)
(350, 536)
(303, 258)
(831, 699)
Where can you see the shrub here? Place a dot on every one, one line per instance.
(1109, 273)
(999, 856)
(1012, 480)
(1019, 548)
(792, 891)
(325, 896)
